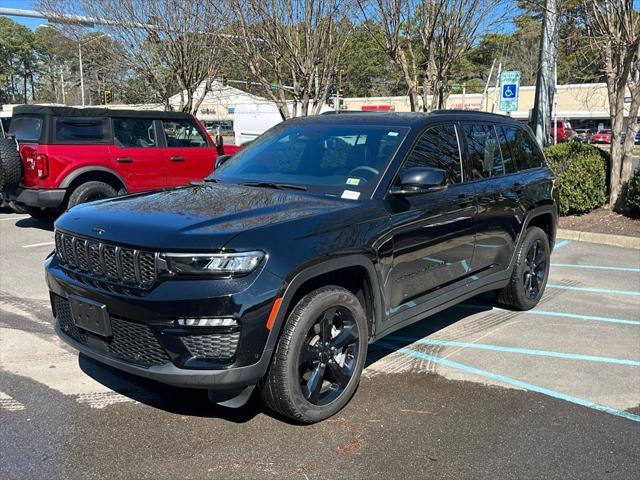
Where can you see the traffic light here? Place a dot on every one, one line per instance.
(108, 96)
(340, 84)
(224, 80)
(247, 83)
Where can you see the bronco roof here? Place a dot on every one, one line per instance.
(93, 112)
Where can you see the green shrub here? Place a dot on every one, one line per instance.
(633, 192)
(581, 176)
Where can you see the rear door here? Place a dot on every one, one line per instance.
(188, 153)
(498, 189)
(135, 154)
(433, 232)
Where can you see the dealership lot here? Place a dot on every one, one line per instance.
(475, 391)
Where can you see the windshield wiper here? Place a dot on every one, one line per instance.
(277, 186)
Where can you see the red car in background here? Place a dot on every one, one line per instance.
(565, 131)
(602, 136)
(66, 156)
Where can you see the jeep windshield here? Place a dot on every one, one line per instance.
(346, 161)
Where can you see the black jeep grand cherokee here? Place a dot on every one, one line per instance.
(324, 235)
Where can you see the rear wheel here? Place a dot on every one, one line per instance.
(530, 273)
(89, 192)
(318, 360)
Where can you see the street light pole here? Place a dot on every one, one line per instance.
(81, 72)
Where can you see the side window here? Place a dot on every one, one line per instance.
(81, 130)
(437, 148)
(183, 133)
(484, 151)
(134, 133)
(507, 156)
(523, 148)
(26, 128)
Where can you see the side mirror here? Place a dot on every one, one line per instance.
(221, 159)
(420, 180)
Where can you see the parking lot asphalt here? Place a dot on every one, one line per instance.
(473, 392)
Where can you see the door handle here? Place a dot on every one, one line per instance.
(124, 160)
(177, 159)
(517, 187)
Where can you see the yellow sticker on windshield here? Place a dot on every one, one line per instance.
(353, 181)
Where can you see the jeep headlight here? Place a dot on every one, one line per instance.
(212, 263)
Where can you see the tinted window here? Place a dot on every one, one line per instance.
(183, 133)
(133, 132)
(339, 160)
(507, 157)
(484, 151)
(523, 148)
(437, 148)
(80, 129)
(26, 128)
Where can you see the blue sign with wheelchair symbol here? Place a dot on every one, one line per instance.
(509, 90)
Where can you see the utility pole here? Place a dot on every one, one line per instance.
(541, 117)
(486, 87)
(64, 100)
(496, 91)
(81, 72)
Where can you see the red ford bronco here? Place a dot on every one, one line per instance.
(58, 157)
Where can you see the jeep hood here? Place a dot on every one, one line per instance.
(191, 218)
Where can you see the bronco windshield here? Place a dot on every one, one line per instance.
(339, 160)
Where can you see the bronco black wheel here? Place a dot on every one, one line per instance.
(530, 272)
(318, 360)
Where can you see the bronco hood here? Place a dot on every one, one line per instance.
(191, 218)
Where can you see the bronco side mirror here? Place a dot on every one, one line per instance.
(221, 159)
(420, 180)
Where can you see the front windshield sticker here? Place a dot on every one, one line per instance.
(392, 134)
(353, 181)
(350, 195)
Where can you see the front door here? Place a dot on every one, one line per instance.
(135, 154)
(189, 155)
(433, 232)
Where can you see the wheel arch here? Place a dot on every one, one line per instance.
(354, 272)
(89, 174)
(544, 217)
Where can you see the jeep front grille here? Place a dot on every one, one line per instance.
(124, 266)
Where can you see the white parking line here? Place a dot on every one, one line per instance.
(8, 403)
(43, 244)
(13, 218)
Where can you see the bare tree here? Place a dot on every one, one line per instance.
(175, 45)
(425, 39)
(292, 48)
(615, 32)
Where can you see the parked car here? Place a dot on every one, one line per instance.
(59, 157)
(602, 136)
(582, 135)
(322, 236)
(565, 132)
(623, 136)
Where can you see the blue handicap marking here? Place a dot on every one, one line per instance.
(509, 90)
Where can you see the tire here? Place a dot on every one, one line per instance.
(90, 191)
(530, 272)
(10, 164)
(46, 215)
(301, 357)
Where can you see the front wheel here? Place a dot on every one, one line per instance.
(317, 363)
(530, 272)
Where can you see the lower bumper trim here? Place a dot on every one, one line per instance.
(40, 198)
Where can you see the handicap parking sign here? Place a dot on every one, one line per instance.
(509, 90)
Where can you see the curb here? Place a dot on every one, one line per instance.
(601, 238)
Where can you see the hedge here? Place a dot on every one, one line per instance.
(581, 176)
(633, 192)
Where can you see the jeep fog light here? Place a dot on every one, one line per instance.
(207, 322)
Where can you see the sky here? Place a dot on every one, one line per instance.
(32, 23)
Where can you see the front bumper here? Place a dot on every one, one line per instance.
(146, 341)
(39, 198)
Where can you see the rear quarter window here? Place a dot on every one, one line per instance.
(80, 130)
(26, 129)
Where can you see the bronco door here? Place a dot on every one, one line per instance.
(433, 232)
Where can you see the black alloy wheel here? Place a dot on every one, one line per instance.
(535, 270)
(328, 356)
